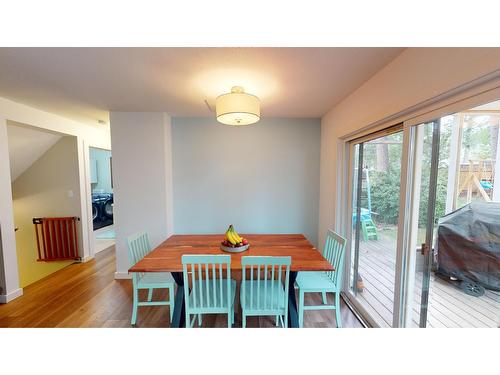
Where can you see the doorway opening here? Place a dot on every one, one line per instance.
(45, 195)
(101, 184)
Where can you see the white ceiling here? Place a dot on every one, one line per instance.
(85, 83)
(26, 146)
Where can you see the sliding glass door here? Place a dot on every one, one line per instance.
(455, 276)
(424, 222)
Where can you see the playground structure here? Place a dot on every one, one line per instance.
(368, 227)
(476, 180)
(473, 179)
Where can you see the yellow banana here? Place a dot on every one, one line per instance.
(236, 235)
(236, 239)
(230, 237)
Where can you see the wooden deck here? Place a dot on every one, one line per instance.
(448, 305)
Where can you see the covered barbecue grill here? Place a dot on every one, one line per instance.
(468, 246)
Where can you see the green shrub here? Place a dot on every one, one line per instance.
(385, 193)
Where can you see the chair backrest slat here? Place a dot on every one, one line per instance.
(193, 286)
(214, 289)
(207, 282)
(138, 247)
(251, 285)
(272, 285)
(220, 282)
(265, 283)
(200, 285)
(258, 289)
(279, 276)
(334, 252)
(207, 273)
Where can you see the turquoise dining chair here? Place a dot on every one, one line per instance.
(324, 282)
(211, 291)
(266, 292)
(138, 248)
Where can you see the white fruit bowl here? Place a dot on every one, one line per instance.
(230, 249)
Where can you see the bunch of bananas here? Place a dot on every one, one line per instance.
(234, 238)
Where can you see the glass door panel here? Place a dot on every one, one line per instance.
(420, 288)
(376, 192)
(355, 231)
(455, 268)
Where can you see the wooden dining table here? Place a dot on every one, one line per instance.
(167, 258)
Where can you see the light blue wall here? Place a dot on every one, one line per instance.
(263, 178)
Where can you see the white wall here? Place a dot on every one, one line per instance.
(263, 178)
(417, 75)
(103, 170)
(26, 145)
(141, 179)
(97, 136)
(9, 280)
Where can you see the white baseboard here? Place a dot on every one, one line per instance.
(98, 249)
(86, 259)
(122, 275)
(6, 298)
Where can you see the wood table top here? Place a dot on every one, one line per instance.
(167, 256)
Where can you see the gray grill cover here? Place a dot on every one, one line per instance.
(468, 244)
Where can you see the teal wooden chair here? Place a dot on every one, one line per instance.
(324, 282)
(212, 292)
(138, 247)
(265, 293)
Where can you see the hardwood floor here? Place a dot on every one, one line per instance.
(87, 295)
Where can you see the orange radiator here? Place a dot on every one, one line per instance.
(56, 238)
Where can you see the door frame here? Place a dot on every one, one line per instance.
(347, 222)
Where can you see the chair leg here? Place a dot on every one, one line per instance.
(301, 309)
(171, 299)
(200, 320)
(150, 295)
(188, 319)
(337, 310)
(277, 320)
(191, 321)
(244, 321)
(232, 315)
(134, 306)
(324, 298)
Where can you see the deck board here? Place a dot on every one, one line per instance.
(448, 305)
(441, 299)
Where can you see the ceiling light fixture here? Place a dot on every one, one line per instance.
(237, 107)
